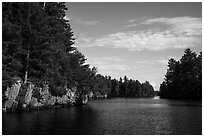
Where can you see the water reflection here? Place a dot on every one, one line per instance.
(113, 116)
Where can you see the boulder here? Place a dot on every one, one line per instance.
(24, 106)
(59, 100)
(46, 98)
(52, 101)
(3, 109)
(71, 97)
(90, 95)
(33, 102)
(64, 99)
(84, 99)
(40, 104)
(9, 103)
(12, 92)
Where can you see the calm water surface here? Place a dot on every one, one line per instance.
(111, 116)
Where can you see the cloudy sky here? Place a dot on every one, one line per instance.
(135, 39)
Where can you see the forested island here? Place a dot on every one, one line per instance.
(41, 68)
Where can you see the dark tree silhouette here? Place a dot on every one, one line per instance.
(183, 78)
(37, 46)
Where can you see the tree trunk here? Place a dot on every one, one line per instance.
(27, 65)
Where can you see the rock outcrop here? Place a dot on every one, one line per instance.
(10, 95)
(28, 96)
(34, 102)
(29, 93)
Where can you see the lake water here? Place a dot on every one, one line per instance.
(121, 116)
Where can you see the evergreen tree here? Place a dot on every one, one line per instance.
(125, 86)
(121, 88)
(147, 89)
(37, 46)
(138, 89)
(183, 78)
(114, 88)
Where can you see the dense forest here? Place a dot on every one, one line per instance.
(38, 48)
(106, 86)
(183, 79)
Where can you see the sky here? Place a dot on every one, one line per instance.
(135, 39)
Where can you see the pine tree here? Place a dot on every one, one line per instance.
(37, 46)
(114, 88)
(183, 78)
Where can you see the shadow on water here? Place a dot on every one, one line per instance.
(73, 120)
(118, 116)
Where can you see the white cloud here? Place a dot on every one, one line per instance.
(166, 60)
(104, 60)
(180, 33)
(112, 58)
(108, 65)
(163, 61)
(131, 21)
(137, 19)
(84, 41)
(114, 67)
(130, 25)
(134, 22)
(179, 25)
(86, 22)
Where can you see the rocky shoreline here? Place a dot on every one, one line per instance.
(28, 97)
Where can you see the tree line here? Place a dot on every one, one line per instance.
(38, 47)
(183, 79)
(106, 86)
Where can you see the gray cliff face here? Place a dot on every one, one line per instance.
(28, 97)
(11, 94)
(29, 94)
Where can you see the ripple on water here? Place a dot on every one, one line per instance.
(118, 116)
